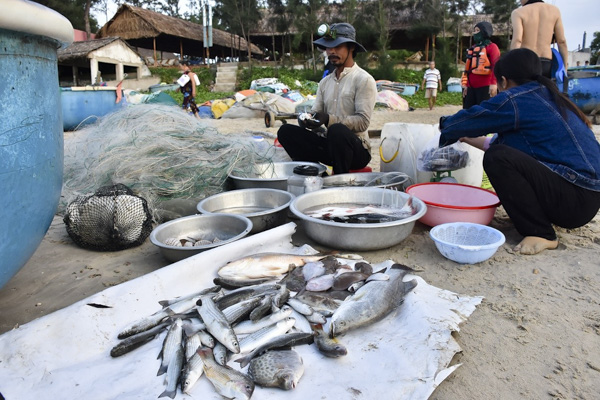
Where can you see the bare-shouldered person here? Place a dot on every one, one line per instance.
(533, 25)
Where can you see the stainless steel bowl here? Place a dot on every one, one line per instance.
(266, 208)
(389, 180)
(225, 228)
(270, 175)
(356, 237)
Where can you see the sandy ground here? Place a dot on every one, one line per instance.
(535, 336)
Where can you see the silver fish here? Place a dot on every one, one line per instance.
(277, 368)
(278, 343)
(299, 306)
(316, 318)
(166, 303)
(217, 325)
(144, 324)
(372, 302)
(193, 325)
(262, 309)
(227, 381)
(237, 311)
(328, 347)
(301, 323)
(265, 265)
(220, 354)
(173, 372)
(172, 343)
(247, 327)
(244, 293)
(320, 302)
(265, 334)
(133, 342)
(191, 345)
(206, 339)
(193, 370)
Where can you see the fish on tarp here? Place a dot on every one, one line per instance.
(227, 381)
(217, 324)
(173, 342)
(329, 347)
(262, 336)
(134, 341)
(280, 342)
(264, 265)
(277, 368)
(193, 370)
(372, 302)
(173, 373)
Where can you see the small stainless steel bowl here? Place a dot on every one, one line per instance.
(270, 175)
(225, 228)
(389, 180)
(353, 236)
(266, 208)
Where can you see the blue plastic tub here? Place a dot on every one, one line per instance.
(31, 143)
(84, 105)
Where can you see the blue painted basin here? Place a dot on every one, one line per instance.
(82, 105)
(584, 88)
(31, 135)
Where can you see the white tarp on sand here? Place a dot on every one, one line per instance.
(65, 355)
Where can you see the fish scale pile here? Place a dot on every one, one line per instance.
(260, 308)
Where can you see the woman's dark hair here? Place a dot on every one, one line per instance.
(522, 66)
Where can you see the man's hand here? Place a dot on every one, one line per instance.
(322, 117)
(318, 119)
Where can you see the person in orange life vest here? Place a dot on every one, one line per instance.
(479, 82)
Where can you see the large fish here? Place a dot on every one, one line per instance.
(277, 368)
(227, 381)
(217, 324)
(172, 343)
(265, 265)
(372, 302)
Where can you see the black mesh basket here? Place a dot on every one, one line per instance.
(113, 218)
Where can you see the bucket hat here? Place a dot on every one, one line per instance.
(337, 34)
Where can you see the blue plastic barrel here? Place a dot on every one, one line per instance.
(31, 135)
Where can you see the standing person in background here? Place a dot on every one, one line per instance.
(188, 89)
(479, 82)
(534, 25)
(432, 81)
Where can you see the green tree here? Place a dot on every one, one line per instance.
(307, 20)
(500, 11)
(595, 47)
(238, 16)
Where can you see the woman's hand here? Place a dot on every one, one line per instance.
(493, 90)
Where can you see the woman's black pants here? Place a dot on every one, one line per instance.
(534, 196)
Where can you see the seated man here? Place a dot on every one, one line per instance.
(344, 104)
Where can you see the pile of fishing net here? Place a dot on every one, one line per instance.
(158, 151)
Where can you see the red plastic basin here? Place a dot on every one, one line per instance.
(454, 202)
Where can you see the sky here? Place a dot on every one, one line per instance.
(578, 16)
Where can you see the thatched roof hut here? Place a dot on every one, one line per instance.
(151, 30)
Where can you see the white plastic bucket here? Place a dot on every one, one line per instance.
(400, 145)
(472, 174)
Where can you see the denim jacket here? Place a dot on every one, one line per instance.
(526, 118)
